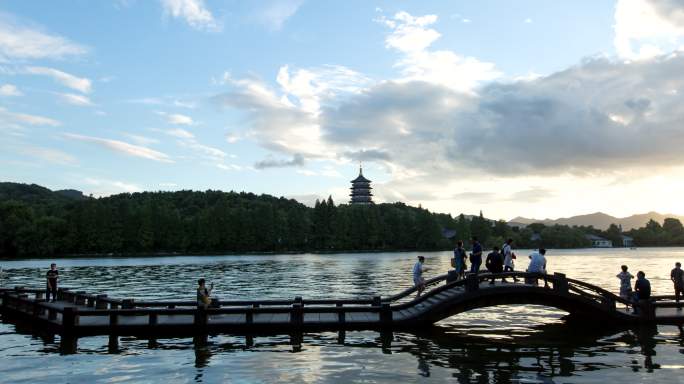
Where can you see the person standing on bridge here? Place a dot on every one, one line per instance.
(625, 283)
(460, 259)
(494, 263)
(204, 293)
(475, 256)
(418, 279)
(677, 277)
(52, 276)
(509, 256)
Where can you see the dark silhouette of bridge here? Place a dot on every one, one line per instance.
(77, 313)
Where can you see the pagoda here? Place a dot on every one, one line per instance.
(361, 190)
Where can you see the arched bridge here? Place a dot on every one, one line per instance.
(78, 313)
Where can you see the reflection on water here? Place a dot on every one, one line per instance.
(529, 344)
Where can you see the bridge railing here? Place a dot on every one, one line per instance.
(405, 293)
(557, 282)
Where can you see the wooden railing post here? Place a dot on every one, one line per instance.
(100, 303)
(52, 314)
(377, 301)
(215, 303)
(69, 315)
(39, 295)
(647, 310)
(385, 315)
(608, 302)
(80, 298)
(340, 315)
(23, 301)
(472, 282)
(560, 282)
(153, 320)
(113, 320)
(200, 317)
(61, 293)
(5, 300)
(127, 304)
(297, 315)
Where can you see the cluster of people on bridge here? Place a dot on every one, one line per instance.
(502, 259)
(497, 261)
(642, 287)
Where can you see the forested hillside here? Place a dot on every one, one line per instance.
(35, 221)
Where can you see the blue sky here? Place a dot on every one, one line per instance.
(514, 108)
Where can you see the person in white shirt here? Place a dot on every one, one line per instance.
(418, 279)
(537, 265)
(507, 251)
(537, 262)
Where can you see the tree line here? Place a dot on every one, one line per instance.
(35, 221)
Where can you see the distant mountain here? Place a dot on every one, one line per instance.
(600, 220)
(72, 194)
(33, 193)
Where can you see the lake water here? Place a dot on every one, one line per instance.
(526, 344)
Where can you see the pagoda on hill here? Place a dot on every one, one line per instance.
(361, 190)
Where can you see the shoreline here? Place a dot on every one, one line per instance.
(248, 253)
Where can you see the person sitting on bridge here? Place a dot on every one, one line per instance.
(642, 291)
(494, 263)
(677, 277)
(204, 293)
(475, 256)
(52, 276)
(537, 265)
(418, 279)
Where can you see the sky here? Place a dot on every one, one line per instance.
(529, 108)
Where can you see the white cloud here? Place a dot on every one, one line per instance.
(206, 151)
(177, 118)
(19, 41)
(274, 13)
(528, 21)
(123, 147)
(50, 155)
(141, 140)
(10, 90)
(194, 12)
(80, 84)
(105, 187)
(180, 133)
(233, 138)
(168, 185)
(74, 99)
(24, 118)
(647, 28)
(296, 161)
(147, 101)
(412, 36)
(184, 104)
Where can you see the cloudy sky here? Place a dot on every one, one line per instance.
(532, 108)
